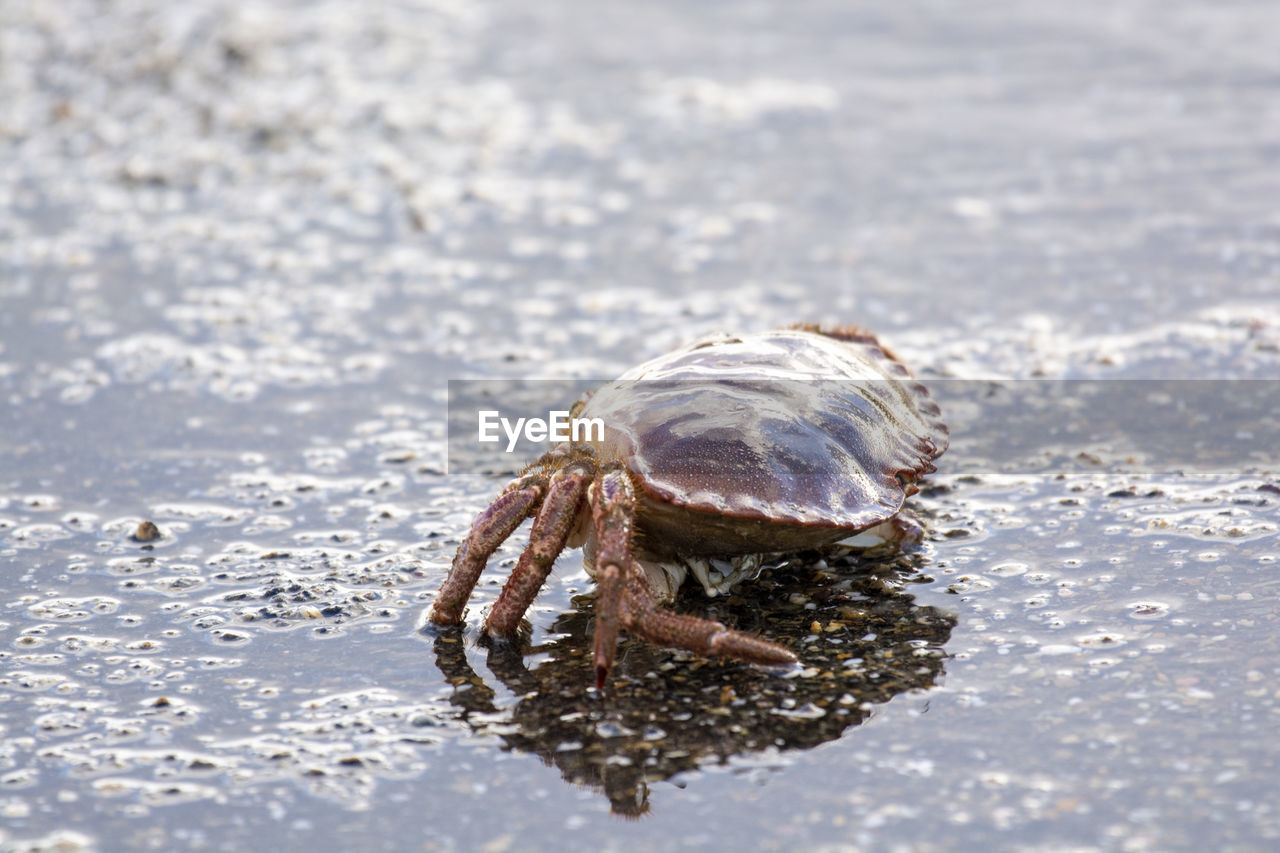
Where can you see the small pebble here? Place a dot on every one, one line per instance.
(146, 532)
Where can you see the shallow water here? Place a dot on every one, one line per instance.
(243, 248)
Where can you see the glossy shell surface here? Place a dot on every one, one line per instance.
(783, 428)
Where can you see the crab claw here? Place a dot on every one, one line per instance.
(608, 605)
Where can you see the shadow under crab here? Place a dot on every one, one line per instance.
(733, 450)
(661, 719)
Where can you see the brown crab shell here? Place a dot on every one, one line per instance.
(769, 442)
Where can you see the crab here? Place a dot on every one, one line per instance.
(714, 458)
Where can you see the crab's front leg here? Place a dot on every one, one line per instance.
(613, 510)
(645, 618)
(490, 529)
(550, 530)
(624, 600)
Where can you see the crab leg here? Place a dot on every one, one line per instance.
(551, 528)
(613, 508)
(646, 619)
(489, 530)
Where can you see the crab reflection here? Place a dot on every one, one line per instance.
(863, 641)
